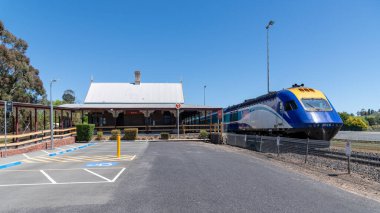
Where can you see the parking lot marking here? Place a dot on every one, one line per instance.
(119, 171)
(96, 174)
(48, 177)
(66, 158)
(25, 155)
(45, 151)
(80, 168)
(40, 184)
(118, 174)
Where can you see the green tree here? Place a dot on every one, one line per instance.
(377, 119)
(68, 96)
(371, 120)
(344, 116)
(19, 80)
(58, 102)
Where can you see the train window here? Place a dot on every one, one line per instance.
(290, 105)
(234, 116)
(316, 104)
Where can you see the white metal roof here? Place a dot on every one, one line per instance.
(130, 93)
(135, 106)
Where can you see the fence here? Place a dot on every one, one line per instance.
(317, 153)
(16, 141)
(166, 128)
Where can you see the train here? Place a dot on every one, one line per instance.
(297, 112)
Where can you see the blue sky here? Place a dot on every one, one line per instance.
(333, 46)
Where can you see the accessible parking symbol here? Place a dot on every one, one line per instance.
(101, 164)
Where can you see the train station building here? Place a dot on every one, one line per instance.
(149, 107)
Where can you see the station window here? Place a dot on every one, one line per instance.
(290, 105)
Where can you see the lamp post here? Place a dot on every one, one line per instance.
(204, 95)
(51, 115)
(267, 27)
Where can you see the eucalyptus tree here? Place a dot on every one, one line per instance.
(19, 80)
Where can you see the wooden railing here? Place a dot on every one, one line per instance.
(35, 137)
(165, 128)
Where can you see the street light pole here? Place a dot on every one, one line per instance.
(51, 116)
(267, 27)
(204, 95)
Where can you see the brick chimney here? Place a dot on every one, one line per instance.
(137, 77)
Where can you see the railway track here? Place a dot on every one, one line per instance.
(355, 157)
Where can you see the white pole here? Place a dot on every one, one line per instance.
(5, 127)
(51, 118)
(178, 123)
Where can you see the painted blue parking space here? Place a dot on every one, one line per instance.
(101, 164)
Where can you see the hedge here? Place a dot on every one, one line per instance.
(130, 134)
(99, 135)
(85, 132)
(164, 135)
(203, 134)
(114, 134)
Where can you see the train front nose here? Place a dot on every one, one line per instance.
(323, 131)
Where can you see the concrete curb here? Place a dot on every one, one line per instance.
(71, 150)
(4, 166)
(159, 140)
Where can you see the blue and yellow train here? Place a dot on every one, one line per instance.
(298, 112)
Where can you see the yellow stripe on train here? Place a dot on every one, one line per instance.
(307, 93)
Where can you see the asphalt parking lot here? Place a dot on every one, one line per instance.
(164, 177)
(70, 175)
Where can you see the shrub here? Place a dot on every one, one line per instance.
(85, 119)
(164, 136)
(356, 124)
(99, 135)
(203, 134)
(130, 134)
(114, 134)
(85, 132)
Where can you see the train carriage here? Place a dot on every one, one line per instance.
(298, 111)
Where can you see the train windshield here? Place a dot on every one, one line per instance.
(316, 104)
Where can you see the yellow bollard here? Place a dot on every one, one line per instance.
(118, 146)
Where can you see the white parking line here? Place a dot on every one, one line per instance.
(117, 176)
(133, 157)
(45, 151)
(26, 156)
(40, 184)
(53, 182)
(96, 174)
(48, 177)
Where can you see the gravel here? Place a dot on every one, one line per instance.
(365, 171)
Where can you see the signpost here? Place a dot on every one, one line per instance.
(8, 107)
(178, 106)
(348, 154)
